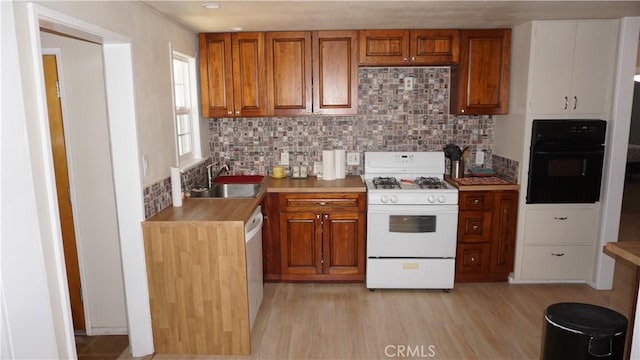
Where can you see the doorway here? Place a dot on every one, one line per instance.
(58, 148)
(84, 184)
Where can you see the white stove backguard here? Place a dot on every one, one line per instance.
(404, 165)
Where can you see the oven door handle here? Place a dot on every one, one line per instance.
(571, 152)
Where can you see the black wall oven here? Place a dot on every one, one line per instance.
(565, 165)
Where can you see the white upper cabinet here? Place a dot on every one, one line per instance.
(573, 66)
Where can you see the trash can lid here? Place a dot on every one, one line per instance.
(592, 320)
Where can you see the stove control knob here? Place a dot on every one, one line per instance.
(441, 199)
(384, 199)
(431, 199)
(394, 199)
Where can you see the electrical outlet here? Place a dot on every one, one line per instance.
(353, 158)
(408, 83)
(479, 157)
(145, 165)
(284, 158)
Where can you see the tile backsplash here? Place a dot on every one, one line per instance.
(390, 118)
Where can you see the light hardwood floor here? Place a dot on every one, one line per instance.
(473, 321)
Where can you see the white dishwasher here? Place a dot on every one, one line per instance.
(253, 239)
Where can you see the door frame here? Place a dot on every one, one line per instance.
(72, 183)
(125, 157)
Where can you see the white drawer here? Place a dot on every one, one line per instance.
(557, 262)
(561, 226)
(410, 273)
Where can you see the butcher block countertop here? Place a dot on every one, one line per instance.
(629, 251)
(352, 183)
(207, 210)
(488, 183)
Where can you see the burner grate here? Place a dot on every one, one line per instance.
(430, 183)
(386, 183)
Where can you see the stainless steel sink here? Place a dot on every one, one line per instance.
(227, 191)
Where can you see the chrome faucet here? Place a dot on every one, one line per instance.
(210, 178)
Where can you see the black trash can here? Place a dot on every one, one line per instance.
(583, 331)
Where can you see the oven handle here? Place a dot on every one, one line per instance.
(570, 152)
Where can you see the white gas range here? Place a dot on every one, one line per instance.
(412, 217)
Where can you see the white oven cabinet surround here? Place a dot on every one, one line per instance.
(551, 60)
(573, 63)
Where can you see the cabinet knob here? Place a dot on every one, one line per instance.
(237, 112)
(405, 59)
(317, 216)
(230, 113)
(476, 201)
(475, 227)
(413, 58)
(461, 110)
(322, 203)
(326, 216)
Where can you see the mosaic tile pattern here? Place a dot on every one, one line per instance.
(506, 168)
(158, 196)
(389, 118)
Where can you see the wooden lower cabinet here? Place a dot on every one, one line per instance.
(315, 237)
(486, 235)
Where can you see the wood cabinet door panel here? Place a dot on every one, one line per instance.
(272, 264)
(384, 47)
(335, 69)
(289, 72)
(474, 226)
(249, 74)
(301, 239)
(504, 232)
(481, 82)
(342, 239)
(435, 47)
(475, 200)
(322, 202)
(216, 83)
(472, 258)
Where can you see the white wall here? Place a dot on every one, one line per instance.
(27, 304)
(151, 33)
(91, 176)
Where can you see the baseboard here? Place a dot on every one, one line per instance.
(108, 331)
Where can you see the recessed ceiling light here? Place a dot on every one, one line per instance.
(235, 28)
(211, 6)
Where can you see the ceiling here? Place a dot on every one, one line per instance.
(362, 14)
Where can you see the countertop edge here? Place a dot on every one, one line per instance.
(629, 251)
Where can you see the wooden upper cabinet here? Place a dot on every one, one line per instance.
(480, 85)
(409, 47)
(232, 74)
(335, 72)
(289, 73)
(312, 72)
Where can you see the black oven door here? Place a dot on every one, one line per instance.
(561, 175)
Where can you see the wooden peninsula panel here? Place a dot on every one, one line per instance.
(198, 287)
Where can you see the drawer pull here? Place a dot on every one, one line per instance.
(475, 227)
(560, 218)
(476, 201)
(322, 203)
(557, 254)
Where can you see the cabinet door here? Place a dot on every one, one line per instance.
(289, 73)
(552, 65)
(435, 47)
(301, 243)
(343, 243)
(249, 86)
(481, 82)
(216, 75)
(384, 47)
(472, 259)
(505, 216)
(335, 72)
(272, 265)
(593, 66)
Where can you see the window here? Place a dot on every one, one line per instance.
(186, 113)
